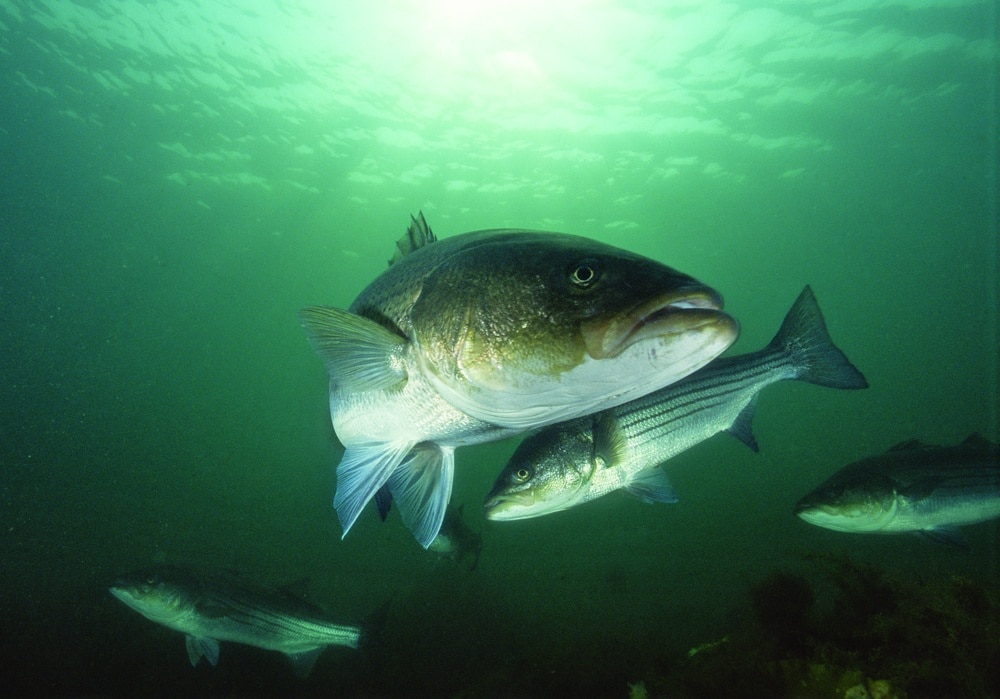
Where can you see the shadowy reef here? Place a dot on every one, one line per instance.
(856, 631)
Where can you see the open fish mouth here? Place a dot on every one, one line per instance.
(498, 508)
(509, 506)
(673, 313)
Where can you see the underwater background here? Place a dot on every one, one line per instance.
(178, 178)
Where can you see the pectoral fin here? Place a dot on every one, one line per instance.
(198, 646)
(421, 488)
(360, 354)
(610, 443)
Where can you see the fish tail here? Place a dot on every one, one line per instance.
(804, 337)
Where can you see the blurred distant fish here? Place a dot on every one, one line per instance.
(913, 487)
(622, 448)
(457, 541)
(208, 610)
(488, 334)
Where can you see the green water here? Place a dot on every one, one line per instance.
(177, 179)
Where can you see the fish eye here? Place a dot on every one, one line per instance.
(584, 274)
(522, 474)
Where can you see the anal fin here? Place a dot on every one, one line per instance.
(302, 663)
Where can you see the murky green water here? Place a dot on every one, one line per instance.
(178, 178)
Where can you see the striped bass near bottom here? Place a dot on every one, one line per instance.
(913, 487)
(209, 609)
(622, 448)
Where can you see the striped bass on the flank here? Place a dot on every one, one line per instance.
(209, 609)
(622, 448)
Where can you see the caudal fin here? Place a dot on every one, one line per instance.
(803, 335)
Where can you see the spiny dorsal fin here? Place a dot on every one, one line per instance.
(417, 236)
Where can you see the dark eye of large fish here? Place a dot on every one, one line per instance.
(522, 474)
(584, 274)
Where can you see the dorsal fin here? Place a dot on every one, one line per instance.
(977, 440)
(417, 236)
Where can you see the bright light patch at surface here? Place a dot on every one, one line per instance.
(664, 90)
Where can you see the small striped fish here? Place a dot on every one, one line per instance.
(209, 610)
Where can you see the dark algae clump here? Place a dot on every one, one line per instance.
(781, 604)
(850, 629)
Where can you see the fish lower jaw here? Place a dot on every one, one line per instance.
(606, 340)
(500, 511)
(505, 508)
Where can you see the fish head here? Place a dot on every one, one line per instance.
(457, 541)
(849, 503)
(153, 594)
(521, 329)
(443, 544)
(549, 472)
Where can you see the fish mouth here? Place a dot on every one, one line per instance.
(495, 508)
(673, 313)
(503, 508)
(527, 505)
(807, 505)
(807, 510)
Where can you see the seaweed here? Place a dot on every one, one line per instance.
(850, 629)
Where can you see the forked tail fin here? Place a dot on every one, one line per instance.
(803, 335)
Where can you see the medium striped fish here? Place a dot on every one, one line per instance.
(622, 448)
(913, 487)
(208, 610)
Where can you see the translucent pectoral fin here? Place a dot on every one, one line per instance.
(362, 471)
(360, 354)
(652, 485)
(421, 488)
(198, 646)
